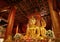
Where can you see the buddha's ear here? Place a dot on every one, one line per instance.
(43, 22)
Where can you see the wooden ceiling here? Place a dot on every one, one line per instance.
(24, 8)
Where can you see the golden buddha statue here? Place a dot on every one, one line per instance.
(32, 30)
(36, 27)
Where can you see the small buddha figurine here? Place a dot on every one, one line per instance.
(42, 28)
(32, 30)
(41, 24)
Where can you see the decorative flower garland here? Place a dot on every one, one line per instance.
(50, 34)
(18, 36)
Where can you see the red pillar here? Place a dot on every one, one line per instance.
(10, 22)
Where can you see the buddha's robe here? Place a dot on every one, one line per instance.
(33, 31)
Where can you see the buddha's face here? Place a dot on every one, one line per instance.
(32, 20)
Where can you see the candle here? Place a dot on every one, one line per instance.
(17, 29)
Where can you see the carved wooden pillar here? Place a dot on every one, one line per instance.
(55, 19)
(10, 22)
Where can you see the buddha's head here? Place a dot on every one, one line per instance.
(32, 20)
